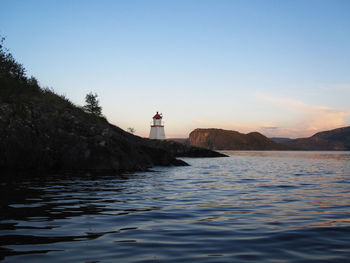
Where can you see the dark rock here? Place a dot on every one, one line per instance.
(183, 150)
(37, 136)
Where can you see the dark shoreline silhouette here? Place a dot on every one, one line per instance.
(41, 131)
(47, 133)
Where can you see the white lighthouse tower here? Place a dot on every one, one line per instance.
(157, 128)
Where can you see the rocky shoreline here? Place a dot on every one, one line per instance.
(41, 131)
(51, 134)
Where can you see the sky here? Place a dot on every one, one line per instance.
(278, 67)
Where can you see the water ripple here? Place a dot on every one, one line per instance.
(250, 207)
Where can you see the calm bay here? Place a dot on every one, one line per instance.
(252, 206)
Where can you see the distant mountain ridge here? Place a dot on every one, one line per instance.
(333, 140)
(280, 139)
(219, 139)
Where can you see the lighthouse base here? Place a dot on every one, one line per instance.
(157, 132)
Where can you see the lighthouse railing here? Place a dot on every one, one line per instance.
(159, 123)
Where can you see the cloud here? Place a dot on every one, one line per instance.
(267, 129)
(311, 119)
(304, 120)
(239, 126)
(268, 126)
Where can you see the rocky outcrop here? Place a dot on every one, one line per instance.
(180, 140)
(333, 140)
(43, 131)
(180, 149)
(218, 139)
(41, 136)
(51, 134)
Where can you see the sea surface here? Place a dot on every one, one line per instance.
(248, 207)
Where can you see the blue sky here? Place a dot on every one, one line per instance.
(278, 67)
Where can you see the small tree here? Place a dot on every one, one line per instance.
(9, 67)
(131, 130)
(92, 104)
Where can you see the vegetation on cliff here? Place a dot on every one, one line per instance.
(43, 131)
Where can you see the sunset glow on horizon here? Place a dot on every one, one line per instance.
(281, 68)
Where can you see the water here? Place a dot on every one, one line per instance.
(250, 207)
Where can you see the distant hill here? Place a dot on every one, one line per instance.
(334, 140)
(218, 139)
(280, 139)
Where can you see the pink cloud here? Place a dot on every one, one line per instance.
(310, 119)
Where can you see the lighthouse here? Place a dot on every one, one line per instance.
(157, 128)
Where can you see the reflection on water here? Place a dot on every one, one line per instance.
(324, 155)
(252, 206)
